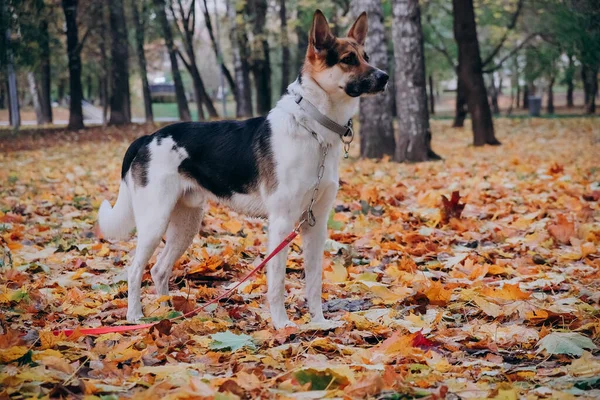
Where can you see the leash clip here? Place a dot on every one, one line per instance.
(347, 137)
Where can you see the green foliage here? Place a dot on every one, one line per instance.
(230, 341)
(566, 343)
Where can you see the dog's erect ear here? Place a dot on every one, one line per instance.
(359, 29)
(320, 34)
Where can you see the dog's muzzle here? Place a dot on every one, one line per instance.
(373, 82)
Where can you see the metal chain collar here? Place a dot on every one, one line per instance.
(308, 216)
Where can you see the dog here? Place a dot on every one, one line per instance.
(266, 167)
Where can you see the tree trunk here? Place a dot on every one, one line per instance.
(460, 111)
(410, 83)
(2, 93)
(182, 105)
(301, 36)
(470, 71)
(586, 87)
(569, 74)
(550, 105)
(88, 79)
(74, 54)
(431, 96)
(514, 83)
(261, 64)
(590, 85)
(104, 77)
(200, 93)
(35, 97)
(570, 89)
(376, 122)
(218, 53)
(139, 22)
(526, 97)
(494, 96)
(45, 73)
(120, 111)
(241, 55)
(13, 96)
(285, 48)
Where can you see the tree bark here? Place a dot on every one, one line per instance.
(526, 97)
(35, 97)
(182, 104)
(45, 73)
(14, 112)
(285, 48)
(470, 71)
(410, 83)
(301, 36)
(120, 110)
(431, 96)
(590, 84)
(139, 23)
(494, 96)
(104, 77)
(460, 111)
(376, 122)
(2, 94)
(218, 53)
(261, 64)
(569, 80)
(241, 55)
(550, 104)
(186, 29)
(74, 54)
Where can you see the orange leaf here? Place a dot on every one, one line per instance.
(537, 315)
(562, 230)
(507, 292)
(437, 294)
(451, 208)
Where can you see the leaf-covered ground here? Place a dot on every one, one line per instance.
(491, 292)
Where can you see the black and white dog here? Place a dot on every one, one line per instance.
(265, 166)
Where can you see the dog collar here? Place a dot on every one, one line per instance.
(345, 132)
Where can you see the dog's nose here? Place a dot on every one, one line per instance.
(382, 77)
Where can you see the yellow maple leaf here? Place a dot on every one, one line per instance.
(12, 353)
(337, 274)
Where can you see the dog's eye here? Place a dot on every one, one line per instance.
(349, 59)
(366, 57)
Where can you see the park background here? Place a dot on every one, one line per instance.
(475, 276)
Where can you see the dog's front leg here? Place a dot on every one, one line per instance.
(313, 242)
(279, 228)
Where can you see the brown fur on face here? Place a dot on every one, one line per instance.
(339, 63)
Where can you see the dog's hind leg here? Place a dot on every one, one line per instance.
(183, 226)
(152, 207)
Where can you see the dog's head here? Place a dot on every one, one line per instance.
(341, 65)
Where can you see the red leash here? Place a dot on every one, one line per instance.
(127, 328)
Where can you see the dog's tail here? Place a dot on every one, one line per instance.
(117, 222)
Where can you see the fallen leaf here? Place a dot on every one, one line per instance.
(570, 343)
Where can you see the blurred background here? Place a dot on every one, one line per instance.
(92, 62)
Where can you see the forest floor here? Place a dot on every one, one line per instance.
(492, 294)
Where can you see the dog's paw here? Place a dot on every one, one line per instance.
(284, 324)
(134, 317)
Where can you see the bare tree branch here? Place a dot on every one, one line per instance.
(442, 47)
(175, 19)
(510, 54)
(509, 28)
(188, 66)
(82, 41)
